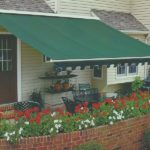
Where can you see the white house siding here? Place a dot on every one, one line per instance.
(112, 77)
(83, 7)
(140, 37)
(83, 76)
(141, 10)
(52, 4)
(32, 67)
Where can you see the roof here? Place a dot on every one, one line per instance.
(120, 20)
(26, 5)
(73, 39)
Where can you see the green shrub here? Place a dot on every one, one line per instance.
(92, 145)
(147, 138)
(137, 84)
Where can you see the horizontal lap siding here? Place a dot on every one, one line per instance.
(32, 68)
(51, 3)
(112, 77)
(141, 10)
(83, 7)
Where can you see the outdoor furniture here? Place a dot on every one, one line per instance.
(25, 105)
(89, 95)
(70, 105)
(84, 86)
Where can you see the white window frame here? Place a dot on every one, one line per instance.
(127, 74)
(134, 73)
(123, 74)
(96, 77)
(19, 89)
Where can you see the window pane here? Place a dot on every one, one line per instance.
(9, 66)
(97, 71)
(121, 69)
(4, 55)
(4, 66)
(1, 55)
(133, 68)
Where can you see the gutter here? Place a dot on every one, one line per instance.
(46, 14)
(97, 59)
(135, 32)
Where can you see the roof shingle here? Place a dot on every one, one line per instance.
(120, 20)
(26, 5)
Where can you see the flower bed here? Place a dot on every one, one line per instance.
(33, 123)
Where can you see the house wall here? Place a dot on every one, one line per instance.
(83, 7)
(141, 10)
(32, 68)
(52, 4)
(112, 77)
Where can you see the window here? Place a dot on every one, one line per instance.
(125, 70)
(97, 71)
(132, 69)
(121, 69)
(5, 55)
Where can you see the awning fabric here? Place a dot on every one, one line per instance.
(73, 38)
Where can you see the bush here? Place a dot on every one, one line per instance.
(137, 84)
(147, 138)
(92, 145)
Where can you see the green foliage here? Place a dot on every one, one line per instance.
(34, 123)
(89, 146)
(137, 84)
(5, 126)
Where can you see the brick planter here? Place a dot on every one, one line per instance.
(124, 135)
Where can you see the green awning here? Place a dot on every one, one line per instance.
(74, 39)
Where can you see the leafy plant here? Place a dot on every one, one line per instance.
(92, 145)
(137, 84)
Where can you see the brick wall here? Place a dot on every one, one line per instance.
(124, 135)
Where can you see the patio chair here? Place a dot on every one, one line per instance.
(84, 86)
(25, 105)
(70, 105)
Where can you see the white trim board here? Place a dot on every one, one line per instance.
(46, 14)
(18, 67)
(19, 70)
(96, 59)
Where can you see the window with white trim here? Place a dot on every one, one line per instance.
(121, 69)
(132, 69)
(97, 72)
(5, 55)
(127, 70)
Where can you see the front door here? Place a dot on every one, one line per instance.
(8, 68)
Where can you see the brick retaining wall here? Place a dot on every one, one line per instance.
(124, 135)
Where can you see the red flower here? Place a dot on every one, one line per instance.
(20, 113)
(123, 102)
(68, 114)
(27, 114)
(85, 104)
(46, 111)
(31, 120)
(108, 101)
(145, 105)
(38, 119)
(96, 105)
(116, 105)
(60, 111)
(35, 109)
